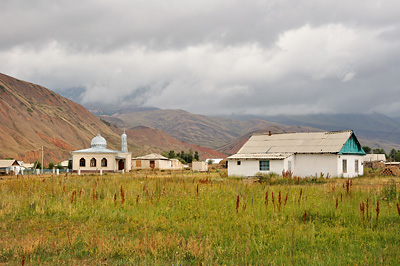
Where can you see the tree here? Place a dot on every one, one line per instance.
(392, 154)
(366, 149)
(171, 155)
(37, 165)
(196, 155)
(51, 165)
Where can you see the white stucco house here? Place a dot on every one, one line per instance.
(99, 158)
(304, 154)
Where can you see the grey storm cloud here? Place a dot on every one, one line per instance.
(211, 56)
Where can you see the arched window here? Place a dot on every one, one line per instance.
(93, 162)
(104, 162)
(82, 162)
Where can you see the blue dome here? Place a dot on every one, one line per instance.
(99, 142)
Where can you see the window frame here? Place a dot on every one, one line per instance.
(104, 162)
(265, 167)
(82, 162)
(356, 166)
(344, 166)
(93, 162)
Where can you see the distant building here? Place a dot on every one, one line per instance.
(9, 167)
(200, 166)
(303, 154)
(214, 160)
(375, 158)
(99, 157)
(156, 162)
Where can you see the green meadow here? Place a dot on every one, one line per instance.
(186, 218)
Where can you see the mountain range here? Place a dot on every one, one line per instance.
(32, 116)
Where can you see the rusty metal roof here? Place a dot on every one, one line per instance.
(290, 143)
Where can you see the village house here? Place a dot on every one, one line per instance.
(156, 162)
(9, 167)
(99, 158)
(303, 154)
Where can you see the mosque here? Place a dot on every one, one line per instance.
(99, 157)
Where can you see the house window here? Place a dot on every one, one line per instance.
(93, 162)
(356, 165)
(82, 162)
(264, 165)
(239, 162)
(344, 163)
(104, 162)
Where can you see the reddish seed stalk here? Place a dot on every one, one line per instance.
(122, 195)
(337, 203)
(115, 198)
(237, 204)
(197, 190)
(23, 260)
(377, 210)
(398, 208)
(273, 200)
(301, 193)
(362, 210)
(73, 196)
(341, 197)
(284, 204)
(305, 216)
(266, 199)
(137, 199)
(279, 201)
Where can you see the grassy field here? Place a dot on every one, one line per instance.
(198, 219)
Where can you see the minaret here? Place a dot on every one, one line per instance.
(124, 142)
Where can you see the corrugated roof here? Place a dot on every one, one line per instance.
(310, 142)
(7, 163)
(269, 156)
(96, 150)
(152, 156)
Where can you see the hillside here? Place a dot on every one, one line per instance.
(202, 130)
(150, 140)
(32, 116)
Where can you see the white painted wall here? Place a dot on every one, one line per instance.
(200, 166)
(351, 172)
(252, 167)
(110, 162)
(302, 165)
(306, 165)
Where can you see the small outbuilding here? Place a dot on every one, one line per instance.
(303, 154)
(200, 166)
(156, 162)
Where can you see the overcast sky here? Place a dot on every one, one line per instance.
(210, 56)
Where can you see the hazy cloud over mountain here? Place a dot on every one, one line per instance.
(211, 57)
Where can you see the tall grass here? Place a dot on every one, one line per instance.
(196, 218)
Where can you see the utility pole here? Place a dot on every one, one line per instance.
(42, 159)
